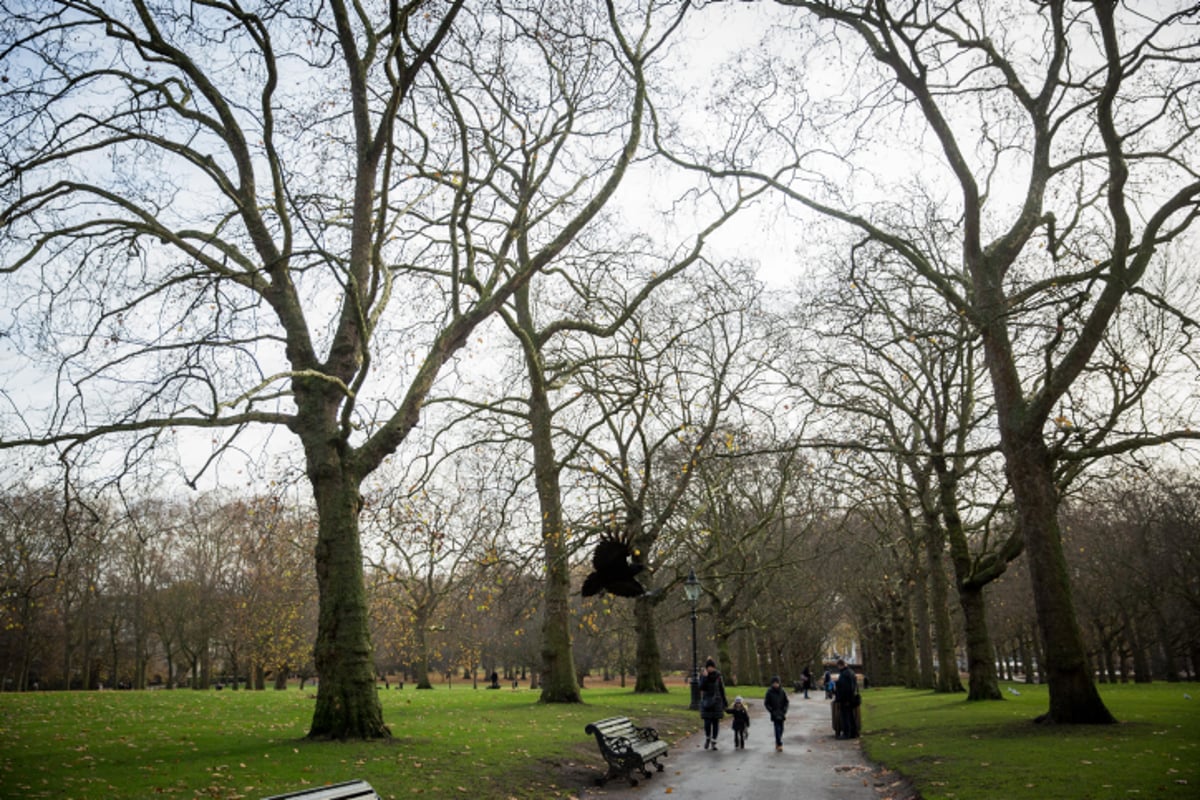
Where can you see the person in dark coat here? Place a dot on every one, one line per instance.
(712, 703)
(806, 680)
(776, 704)
(845, 690)
(741, 722)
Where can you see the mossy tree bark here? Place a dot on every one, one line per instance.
(972, 574)
(982, 680)
(1073, 697)
(934, 537)
(649, 657)
(347, 704)
(559, 684)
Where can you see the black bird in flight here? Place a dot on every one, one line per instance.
(614, 566)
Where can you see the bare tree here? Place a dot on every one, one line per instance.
(33, 545)
(604, 295)
(901, 376)
(291, 218)
(1056, 122)
(691, 364)
(428, 538)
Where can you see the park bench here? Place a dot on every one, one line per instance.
(349, 790)
(626, 748)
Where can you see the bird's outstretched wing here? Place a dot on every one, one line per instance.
(593, 584)
(625, 587)
(613, 571)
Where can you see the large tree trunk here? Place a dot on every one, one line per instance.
(649, 659)
(1073, 695)
(559, 684)
(920, 606)
(1137, 650)
(972, 575)
(905, 655)
(1170, 664)
(723, 631)
(139, 643)
(422, 650)
(745, 665)
(347, 704)
(1026, 651)
(982, 681)
(939, 592)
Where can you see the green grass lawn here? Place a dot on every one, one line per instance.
(447, 743)
(983, 751)
(460, 742)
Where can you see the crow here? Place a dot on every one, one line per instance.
(613, 569)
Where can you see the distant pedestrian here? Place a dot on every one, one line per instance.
(741, 722)
(806, 681)
(776, 704)
(712, 703)
(827, 684)
(846, 690)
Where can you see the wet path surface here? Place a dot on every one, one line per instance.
(813, 765)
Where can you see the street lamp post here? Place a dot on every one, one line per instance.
(691, 588)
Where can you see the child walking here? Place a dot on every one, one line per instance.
(741, 723)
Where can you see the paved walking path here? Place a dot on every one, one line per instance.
(813, 765)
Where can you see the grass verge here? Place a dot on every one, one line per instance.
(460, 742)
(954, 750)
(447, 743)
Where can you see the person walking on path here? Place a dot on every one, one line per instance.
(815, 767)
(712, 703)
(806, 680)
(741, 722)
(846, 692)
(776, 704)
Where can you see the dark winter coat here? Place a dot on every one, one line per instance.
(846, 686)
(776, 703)
(712, 695)
(741, 718)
